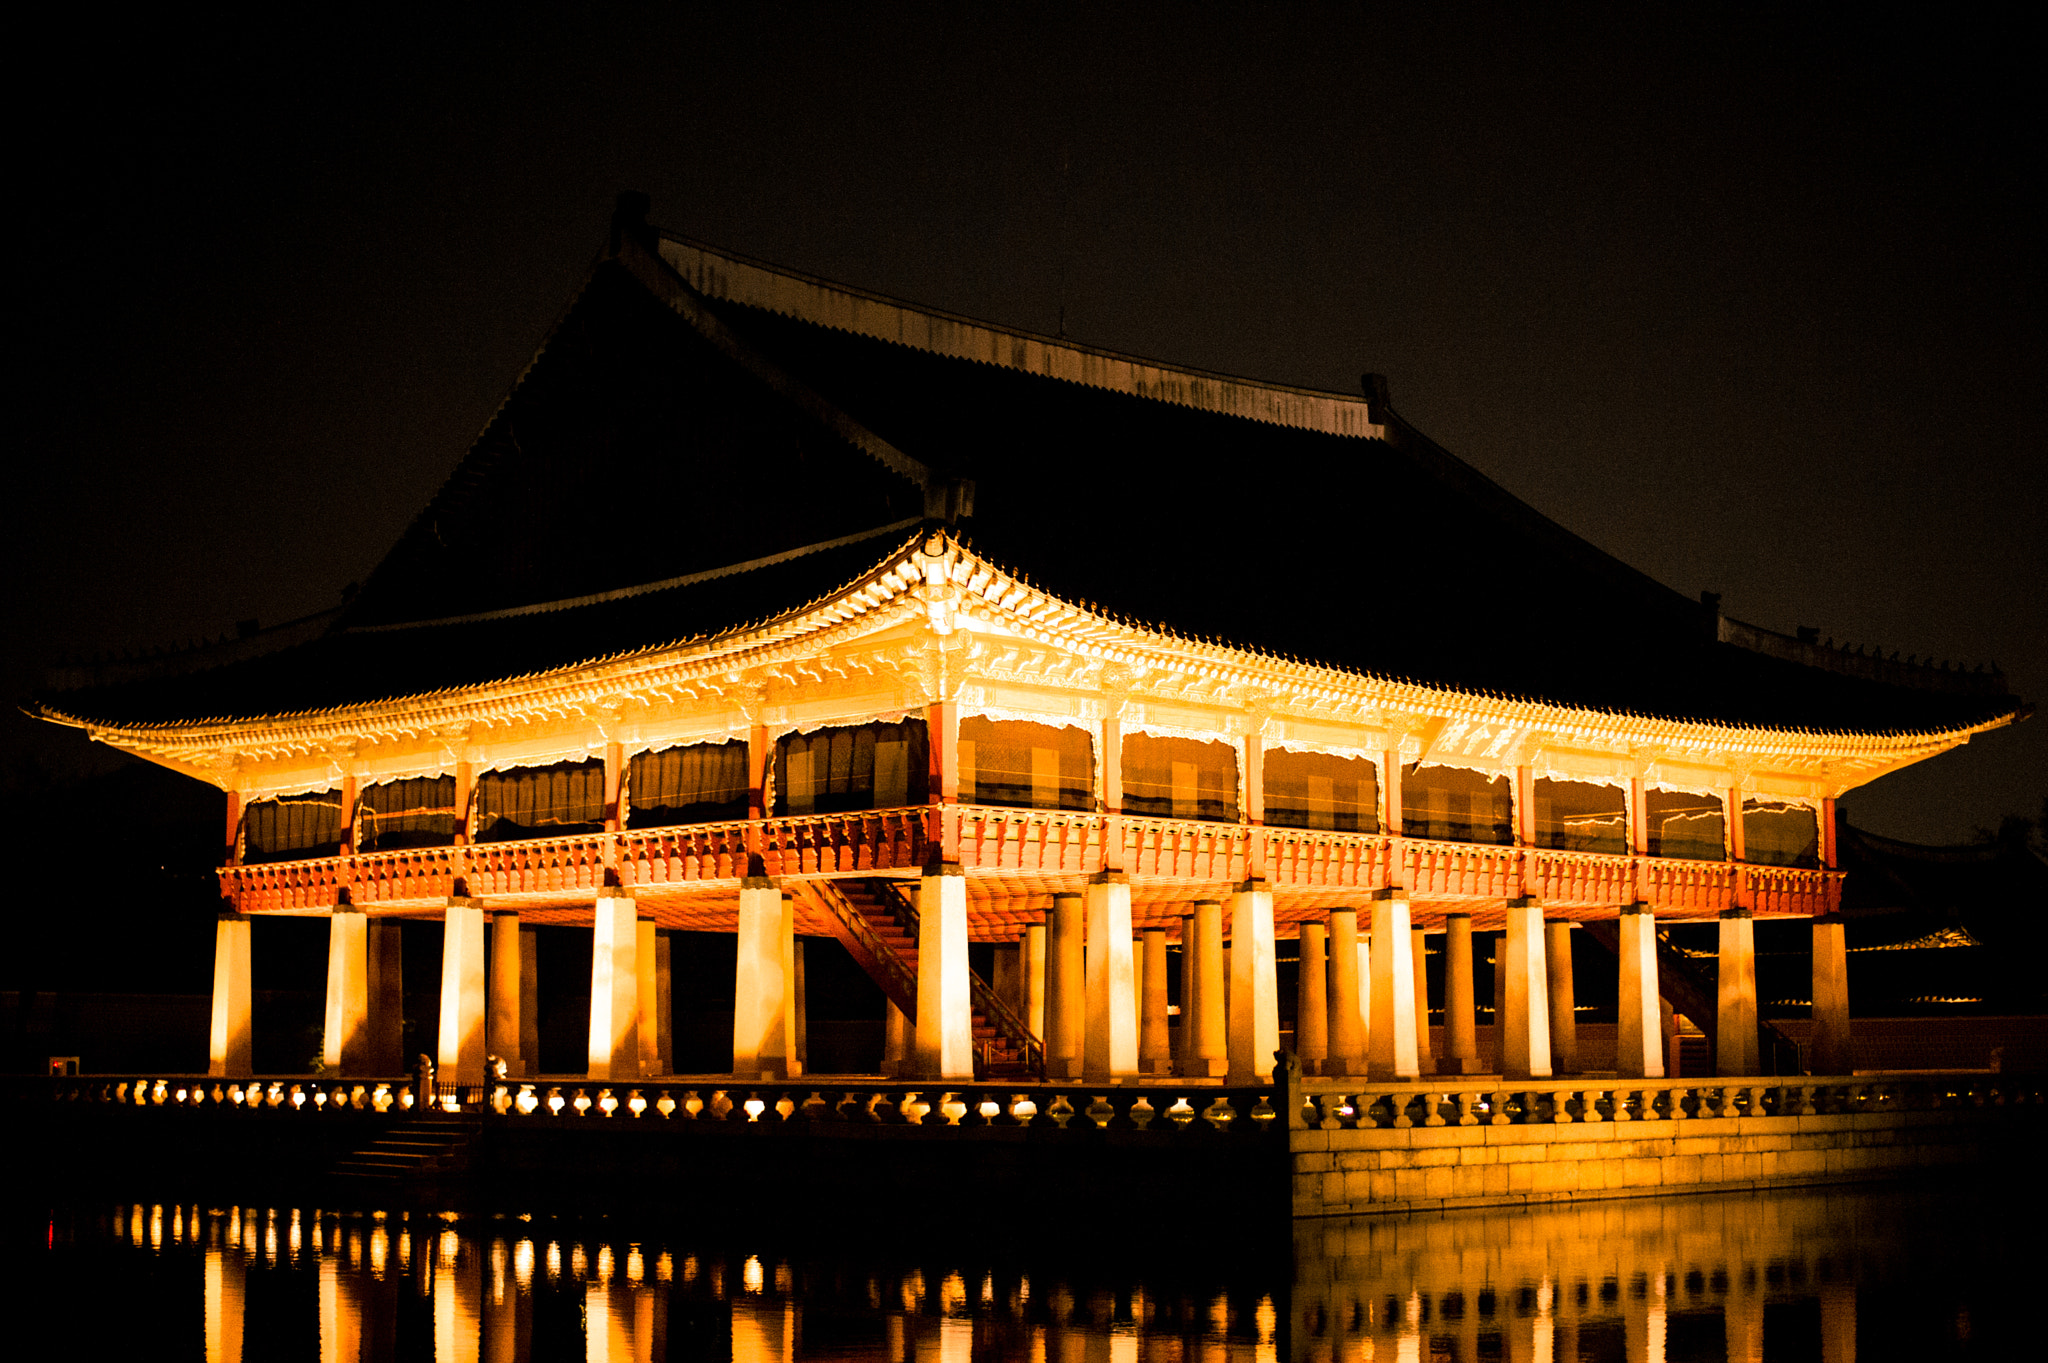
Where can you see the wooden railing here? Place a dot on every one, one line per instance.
(1026, 840)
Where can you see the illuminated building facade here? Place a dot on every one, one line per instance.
(725, 624)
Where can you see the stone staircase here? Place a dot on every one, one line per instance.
(877, 923)
(419, 1151)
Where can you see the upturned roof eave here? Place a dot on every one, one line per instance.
(1084, 627)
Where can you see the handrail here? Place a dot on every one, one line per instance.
(998, 838)
(983, 995)
(828, 895)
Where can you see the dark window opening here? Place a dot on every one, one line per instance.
(1777, 833)
(1316, 790)
(701, 783)
(1453, 804)
(418, 812)
(1026, 765)
(1581, 816)
(540, 802)
(1683, 824)
(867, 766)
(292, 827)
(1179, 778)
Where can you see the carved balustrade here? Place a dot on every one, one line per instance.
(1030, 840)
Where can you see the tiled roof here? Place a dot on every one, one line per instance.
(644, 447)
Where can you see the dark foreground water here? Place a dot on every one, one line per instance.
(1933, 1271)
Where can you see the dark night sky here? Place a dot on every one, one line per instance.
(1752, 301)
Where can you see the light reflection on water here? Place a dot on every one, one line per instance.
(1829, 1275)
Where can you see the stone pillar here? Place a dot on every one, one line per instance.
(899, 1044)
(1209, 1035)
(646, 973)
(1564, 1021)
(1735, 1039)
(1390, 1043)
(615, 988)
(1111, 1048)
(1347, 1012)
(1639, 1032)
(384, 957)
(345, 1045)
(1312, 999)
(664, 998)
(1066, 993)
(945, 1008)
(1254, 985)
(529, 1000)
(1425, 1053)
(1032, 969)
(231, 1040)
(461, 1051)
(760, 1010)
(1187, 994)
(503, 1039)
(1829, 1052)
(800, 1015)
(1525, 1033)
(1155, 1042)
(1461, 1019)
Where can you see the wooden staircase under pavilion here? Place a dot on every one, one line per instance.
(877, 923)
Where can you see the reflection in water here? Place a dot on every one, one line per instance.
(1649, 1281)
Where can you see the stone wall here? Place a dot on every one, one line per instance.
(1346, 1172)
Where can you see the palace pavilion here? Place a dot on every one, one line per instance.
(771, 607)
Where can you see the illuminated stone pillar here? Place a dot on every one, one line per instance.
(1425, 1052)
(1525, 1031)
(1182, 1033)
(1066, 993)
(899, 1042)
(1155, 1040)
(1032, 968)
(945, 1008)
(231, 1039)
(529, 999)
(1111, 1048)
(800, 1019)
(1461, 1019)
(384, 959)
(760, 1013)
(345, 1043)
(1830, 1052)
(1254, 985)
(648, 994)
(1564, 1021)
(1209, 1034)
(664, 998)
(1347, 1013)
(1312, 999)
(1390, 1042)
(1735, 1039)
(615, 988)
(504, 1039)
(461, 1051)
(1639, 1032)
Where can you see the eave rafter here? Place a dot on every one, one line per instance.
(990, 624)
